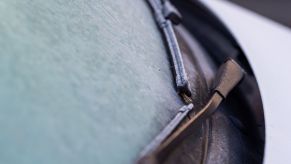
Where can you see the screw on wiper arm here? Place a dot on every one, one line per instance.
(228, 76)
(166, 15)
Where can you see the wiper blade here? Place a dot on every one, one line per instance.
(166, 15)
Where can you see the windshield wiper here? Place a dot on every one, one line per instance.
(228, 76)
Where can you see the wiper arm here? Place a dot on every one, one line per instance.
(228, 76)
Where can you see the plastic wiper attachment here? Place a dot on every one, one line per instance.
(228, 76)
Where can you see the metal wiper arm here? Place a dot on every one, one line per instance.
(228, 76)
(166, 15)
